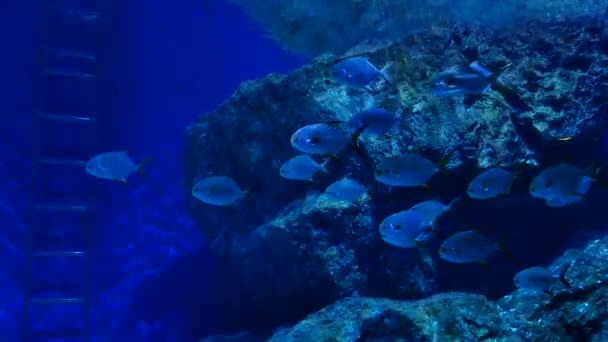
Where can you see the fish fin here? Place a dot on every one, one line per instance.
(454, 201)
(480, 69)
(141, 167)
(355, 136)
(562, 276)
(384, 72)
(324, 165)
(506, 252)
(494, 78)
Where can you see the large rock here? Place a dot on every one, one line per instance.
(577, 314)
(285, 241)
(559, 72)
(316, 26)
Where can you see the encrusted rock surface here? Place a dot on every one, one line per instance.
(285, 241)
(577, 314)
(316, 26)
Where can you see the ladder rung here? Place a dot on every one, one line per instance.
(68, 73)
(57, 300)
(63, 207)
(71, 53)
(64, 117)
(59, 253)
(52, 161)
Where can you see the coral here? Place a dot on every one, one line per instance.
(317, 26)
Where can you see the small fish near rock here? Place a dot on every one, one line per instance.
(432, 209)
(540, 278)
(374, 121)
(561, 185)
(217, 190)
(465, 80)
(405, 229)
(491, 183)
(115, 166)
(345, 190)
(321, 139)
(408, 170)
(302, 167)
(360, 72)
(466, 247)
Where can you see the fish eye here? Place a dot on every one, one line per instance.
(397, 227)
(532, 189)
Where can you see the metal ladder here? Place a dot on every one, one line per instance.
(58, 275)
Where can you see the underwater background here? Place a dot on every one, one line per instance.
(218, 88)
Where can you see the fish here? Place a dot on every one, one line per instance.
(374, 121)
(217, 190)
(464, 80)
(405, 229)
(360, 72)
(466, 247)
(320, 138)
(431, 210)
(491, 183)
(114, 166)
(560, 185)
(539, 278)
(302, 167)
(407, 170)
(345, 189)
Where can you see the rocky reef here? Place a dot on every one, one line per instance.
(316, 26)
(285, 243)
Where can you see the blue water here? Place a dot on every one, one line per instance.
(164, 63)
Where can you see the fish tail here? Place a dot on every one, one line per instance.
(384, 72)
(506, 252)
(141, 167)
(454, 201)
(324, 165)
(494, 78)
(562, 276)
(355, 136)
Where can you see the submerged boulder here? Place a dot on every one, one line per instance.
(576, 314)
(286, 244)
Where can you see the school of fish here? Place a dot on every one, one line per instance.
(321, 142)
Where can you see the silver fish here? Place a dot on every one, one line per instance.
(561, 185)
(539, 278)
(407, 170)
(217, 190)
(322, 139)
(466, 247)
(431, 210)
(360, 72)
(464, 80)
(491, 183)
(405, 229)
(345, 190)
(114, 165)
(373, 121)
(301, 167)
